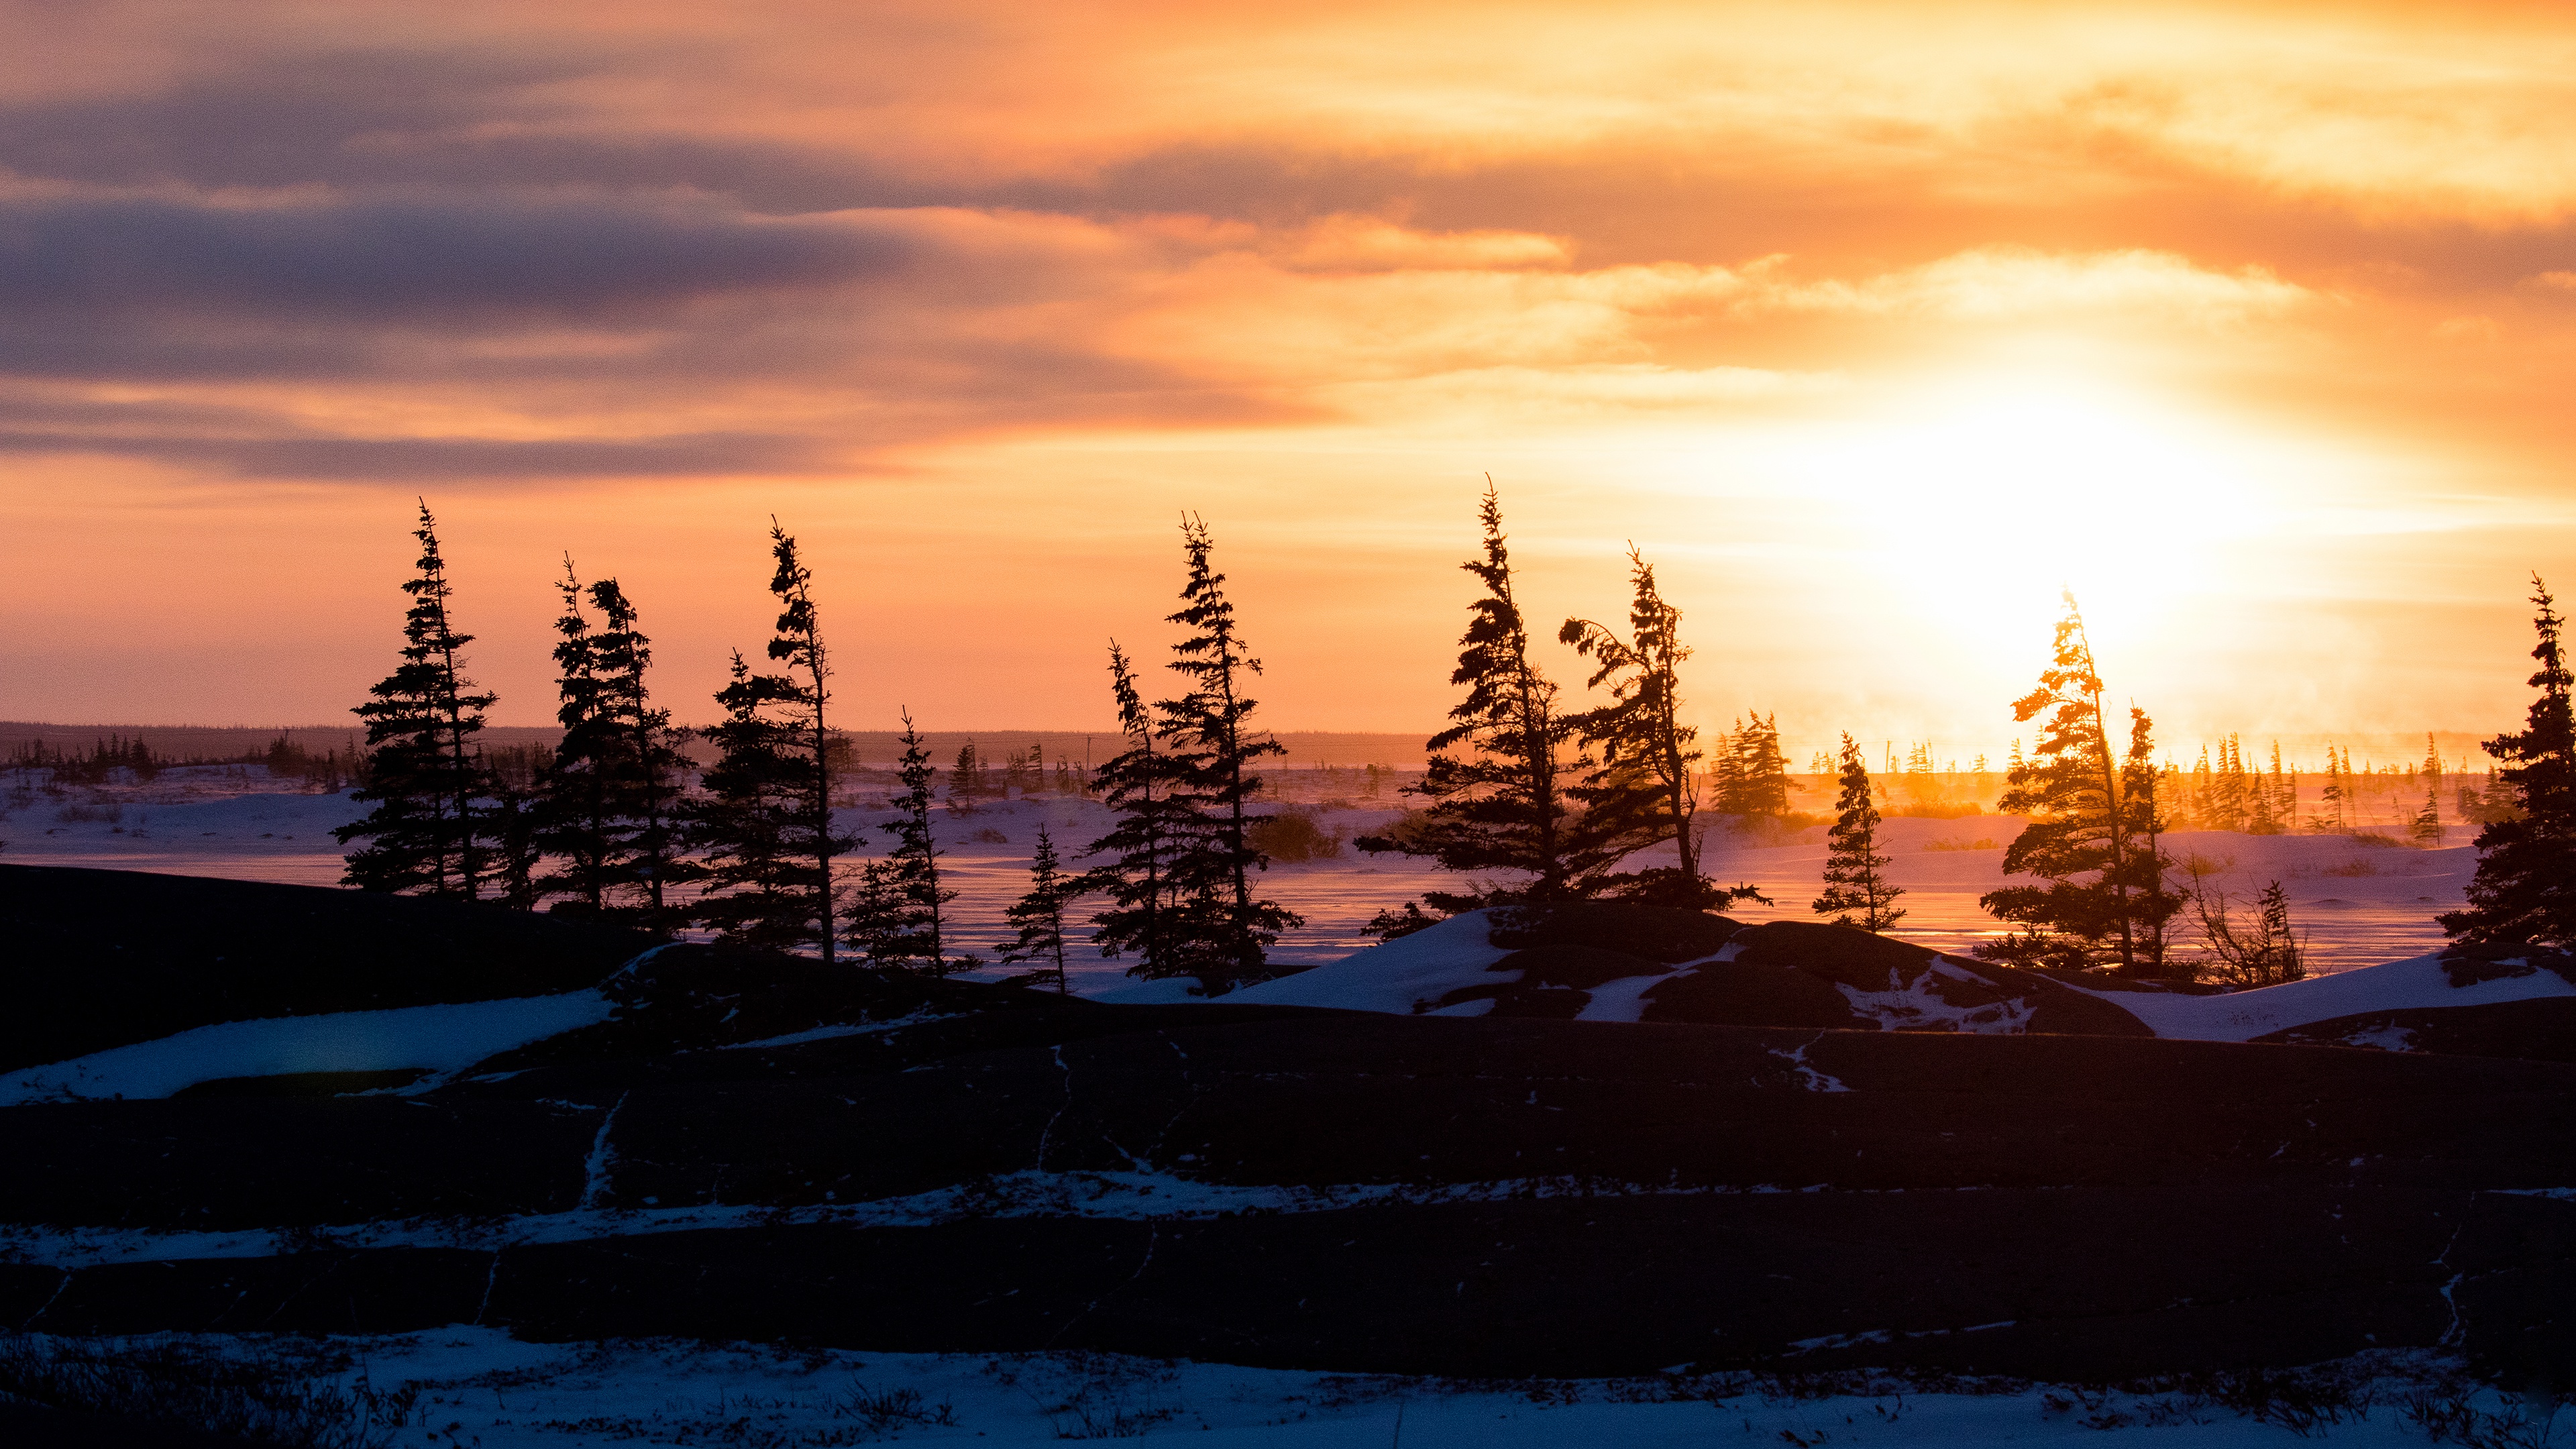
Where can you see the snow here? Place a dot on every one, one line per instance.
(480, 1385)
(2395, 986)
(436, 1039)
(1143, 1195)
(1621, 1000)
(1920, 1006)
(1393, 975)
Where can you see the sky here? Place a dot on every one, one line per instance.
(1870, 326)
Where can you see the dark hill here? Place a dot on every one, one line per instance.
(104, 958)
(944, 1166)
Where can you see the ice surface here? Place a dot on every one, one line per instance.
(436, 1039)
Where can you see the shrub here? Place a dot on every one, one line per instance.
(255, 1395)
(1292, 836)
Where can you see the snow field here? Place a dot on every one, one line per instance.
(1138, 1196)
(481, 1386)
(435, 1039)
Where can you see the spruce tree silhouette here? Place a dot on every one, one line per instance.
(1648, 791)
(2524, 892)
(1039, 914)
(1142, 786)
(1500, 803)
(426, 831)
(900, 918)
(1855, 873)
(1216, 930)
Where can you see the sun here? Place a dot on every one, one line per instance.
(2007, 489)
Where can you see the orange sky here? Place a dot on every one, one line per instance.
(1870, 324)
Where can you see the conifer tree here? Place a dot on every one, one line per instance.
(1855, 873)
(427, 829)
(1218, 925)
(965, 779)
(901, 916)
(1141, 786)
(574, 810)
(1649, 794)
(2427, 828)
(767, 828)
(758, 891)
(1499, 804)
(1754, 779)
(2142, 824)
(798, 643)
(2083, 835)
(2524, 891)
(646, 859)
(1039, 914)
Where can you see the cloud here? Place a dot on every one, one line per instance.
(420, 460)
(2002, 283)
(411, 258)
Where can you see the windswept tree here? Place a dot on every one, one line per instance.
(2524, 891)
(575, 814)
(1218, 931)
(1498, 804)
(1648, 793)
(428, 828)
(646, 859)
(1752, 775)
(1039, 914)
(2427, 827)
(2104, 903)
(1141, 785)
(1857, 890)
(900, 918)
(766, 829)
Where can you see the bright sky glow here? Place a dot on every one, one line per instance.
(1872, 325)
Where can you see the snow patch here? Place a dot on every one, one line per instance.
(2396, 986)
(1393, 975)
(1920, 1005)
(1809, 1077)
(441, 1040)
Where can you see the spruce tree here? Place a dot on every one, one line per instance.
(798, 643)
(427, 829)
(1039, 914)
(2083, 833)
(2143, 863)
(646, 859)
(1649, 793)
(2427, 828)
(574, 812)
(766, 829)
(1218, 927)
(2524, 891)
(1499, 804)
(900, 918)
(1855, 873)
(758, 889)
(1141, 785)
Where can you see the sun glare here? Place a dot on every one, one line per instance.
(2003, 490)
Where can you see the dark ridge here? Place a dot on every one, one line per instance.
(106, 958)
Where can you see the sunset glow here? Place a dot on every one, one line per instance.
(1872, 326)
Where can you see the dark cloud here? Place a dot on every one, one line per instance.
(408, 258)
(427, 117)
(422, 460)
